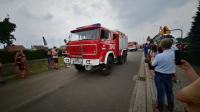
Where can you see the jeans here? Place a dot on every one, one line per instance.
(164, 86)
(49, 60)
(145, 53)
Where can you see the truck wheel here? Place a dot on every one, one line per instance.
(107, 69)
(80, 68)
(125, 57)
(121, 59)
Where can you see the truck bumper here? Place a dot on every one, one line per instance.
(79, 61)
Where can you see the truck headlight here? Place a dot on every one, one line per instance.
(87, 61)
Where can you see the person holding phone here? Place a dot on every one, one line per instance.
(165, 68)
(190, 94)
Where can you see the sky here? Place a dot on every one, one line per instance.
(54, 19)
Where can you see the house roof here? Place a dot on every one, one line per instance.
(14, 48)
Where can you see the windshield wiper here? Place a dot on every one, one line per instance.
(87, 39)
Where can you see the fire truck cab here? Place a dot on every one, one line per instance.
(94, 47)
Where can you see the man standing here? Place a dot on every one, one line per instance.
(165, 68)
(146, 48)
(49, 58)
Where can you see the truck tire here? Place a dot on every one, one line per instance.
(121, 59)
(107, 69)
(125, 56)
(80, 68)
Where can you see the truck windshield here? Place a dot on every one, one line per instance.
(84, 35)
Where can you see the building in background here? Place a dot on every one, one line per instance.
(14, 48)
(38, 47)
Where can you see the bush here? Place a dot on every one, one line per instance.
(9, 57)
(193, 58)
(38, 54)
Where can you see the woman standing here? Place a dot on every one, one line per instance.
(20, 61)
(55, 57)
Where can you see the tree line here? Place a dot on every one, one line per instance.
(193, 53)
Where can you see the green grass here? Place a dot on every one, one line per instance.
(35, 67)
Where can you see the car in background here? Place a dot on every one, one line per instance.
(132, 46)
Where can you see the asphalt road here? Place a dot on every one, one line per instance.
(90, 92)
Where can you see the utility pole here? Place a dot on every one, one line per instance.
(178, 30)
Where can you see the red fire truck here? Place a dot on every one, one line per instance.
(95, 47)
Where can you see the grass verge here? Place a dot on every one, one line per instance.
(35, 67)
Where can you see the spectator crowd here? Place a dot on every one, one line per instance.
(162, 59)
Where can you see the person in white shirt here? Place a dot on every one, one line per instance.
(165, 69)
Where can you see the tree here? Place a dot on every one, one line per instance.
(179, 40)
(194, 39)
(6, 28)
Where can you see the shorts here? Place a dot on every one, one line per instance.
(55, 60)
(49, 60)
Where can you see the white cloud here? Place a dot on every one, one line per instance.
(54, 19)
(176, 17)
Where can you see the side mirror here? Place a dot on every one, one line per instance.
(102, 34)
(114, 36)
(65, 40)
